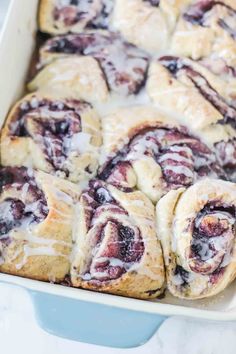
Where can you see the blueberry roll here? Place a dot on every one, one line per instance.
(64, 16)
(36, 214)
(201, 98)
(206, 28)
(117, 250)
(145, 150)
(73, 77)
(124, 66)
(58, 136)
(196, 227)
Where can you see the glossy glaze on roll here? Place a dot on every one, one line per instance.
(196, 227)
(36, 214)
(117, 250)
(145, 150)
(59, 136)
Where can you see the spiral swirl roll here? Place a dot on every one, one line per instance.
(36, 214)
(145, 150)
(117, 250)
(200, 99)
(197, 231)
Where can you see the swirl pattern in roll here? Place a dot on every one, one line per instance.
(64, 16)
(202, 100)
(145, 150)
(36, 217)
(196, 227)
(206, 29)
(124, 66)
(59, 136)
(116, 249)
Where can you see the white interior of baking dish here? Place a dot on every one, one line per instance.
(16, 46)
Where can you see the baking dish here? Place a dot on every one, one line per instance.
(73, 313)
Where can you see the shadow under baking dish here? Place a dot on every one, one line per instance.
(75, 313)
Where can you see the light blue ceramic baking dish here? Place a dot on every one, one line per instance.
(74, 313)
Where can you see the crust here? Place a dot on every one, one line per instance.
(49, 25)
(196, 41)
(72, 77)
(144, 279)
(118, 128)
(174, 212)
(181, 98)
(123, 123)
(24, 151)
(43, 252)
(45, 16)
(141, 24)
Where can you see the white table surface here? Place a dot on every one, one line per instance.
(19, 332)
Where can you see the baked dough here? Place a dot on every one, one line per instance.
(206, 28)
(63, 16)
(59, 136)
(124, 66)
(116, 249)
(36, 212)
(145, 150)
(197, 98)
(196, 228)
(73, 77)
(142, 24)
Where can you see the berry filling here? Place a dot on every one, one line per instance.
(116, 244)
(182, 158)
(153, 2)
(181, 276)
(202, 11)
(177, 66)
(53, 125)
(31, 208)
(213, 239)
(124, 65)
(226, 154)
(89, 13)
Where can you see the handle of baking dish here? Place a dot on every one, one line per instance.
(94, 323)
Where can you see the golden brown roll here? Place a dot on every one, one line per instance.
(72, 77)
(145, 150)
(117, 250)
(63, 16)
(206, 29)
(200, 99)
(36, 215)
(142, 23)
(196, 227)
(59, 136)
(124, 66)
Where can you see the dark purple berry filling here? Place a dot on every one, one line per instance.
(124, 65)
(16, 213)
(182, 158)
(51, 124)
(90, 13)
(183, 274)
(124, 246)
(198, 14)
(226, 154)
(153, 2)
